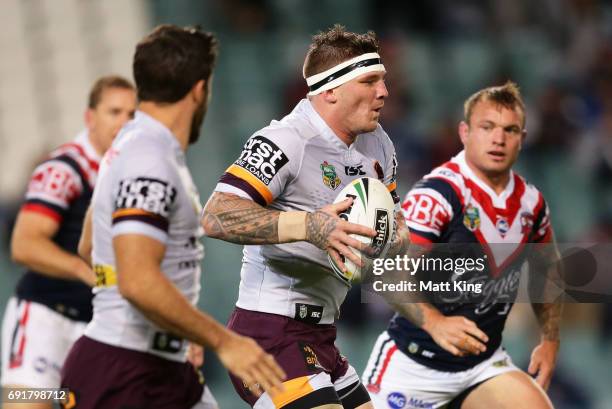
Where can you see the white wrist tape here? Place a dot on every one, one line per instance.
(291, 227)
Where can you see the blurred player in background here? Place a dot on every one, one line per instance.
(53, 298)
(274, 199)
(437, 354)
(146, 250)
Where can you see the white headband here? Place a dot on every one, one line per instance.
(344, 72)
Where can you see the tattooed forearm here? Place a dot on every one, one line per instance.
(319, 225)
(549, 317)
(402, 237)
(545, 283)
(237, 220)
(415, 312)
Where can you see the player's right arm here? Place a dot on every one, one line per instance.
(141, 281)
(238, 220)
(427, 209)
(52, 186)
(237, 211)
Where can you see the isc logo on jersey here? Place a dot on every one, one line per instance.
(262, 158)
(152, 195)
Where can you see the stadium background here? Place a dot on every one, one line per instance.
(436, 52)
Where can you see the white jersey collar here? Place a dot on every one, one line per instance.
(499, 201)
(162, 129)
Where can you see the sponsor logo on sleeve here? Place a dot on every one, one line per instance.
(262, 158)
(425, 210)
(148, 194)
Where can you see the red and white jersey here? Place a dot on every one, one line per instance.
(451, 204)
(67, 173)
(60, 188)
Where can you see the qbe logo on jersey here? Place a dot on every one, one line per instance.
(152, 195)
(262, 158)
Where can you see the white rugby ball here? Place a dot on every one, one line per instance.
(372, 207)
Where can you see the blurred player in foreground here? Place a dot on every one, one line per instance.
(274, 199)
(53, 299)
(437, 354)
(146, 250)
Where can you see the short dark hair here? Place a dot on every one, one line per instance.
(507, 95)
(104, 83)
(170, 60)
(336, 45)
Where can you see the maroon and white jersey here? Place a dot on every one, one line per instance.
(61, 188)
(452, 205)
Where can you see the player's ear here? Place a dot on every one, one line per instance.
(330, 96)
(464, 130)
(198, 91)
(88, 117)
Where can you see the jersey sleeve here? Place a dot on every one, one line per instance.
(144, 196)
(429, 208)
(53, 186)
(268, 161)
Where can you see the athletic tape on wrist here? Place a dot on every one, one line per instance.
(344, 72)
(291, 226)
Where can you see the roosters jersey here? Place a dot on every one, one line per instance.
(298, 163)
(144, 188)
(452, 205)
(61, 188)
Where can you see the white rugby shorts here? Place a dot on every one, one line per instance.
(395, 381)
(35, 343)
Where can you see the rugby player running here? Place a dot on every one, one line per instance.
(275, 199)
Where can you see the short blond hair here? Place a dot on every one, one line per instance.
(507, 95)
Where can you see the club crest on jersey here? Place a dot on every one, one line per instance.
(471, 218)
(502, 225)
(330, 177)
(526, 222)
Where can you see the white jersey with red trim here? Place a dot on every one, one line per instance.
(298, 163)
(452, 205)
(144, 188)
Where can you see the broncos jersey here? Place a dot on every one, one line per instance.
(452, 205)
(298, 163)
(61, 188)
(144, 188)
